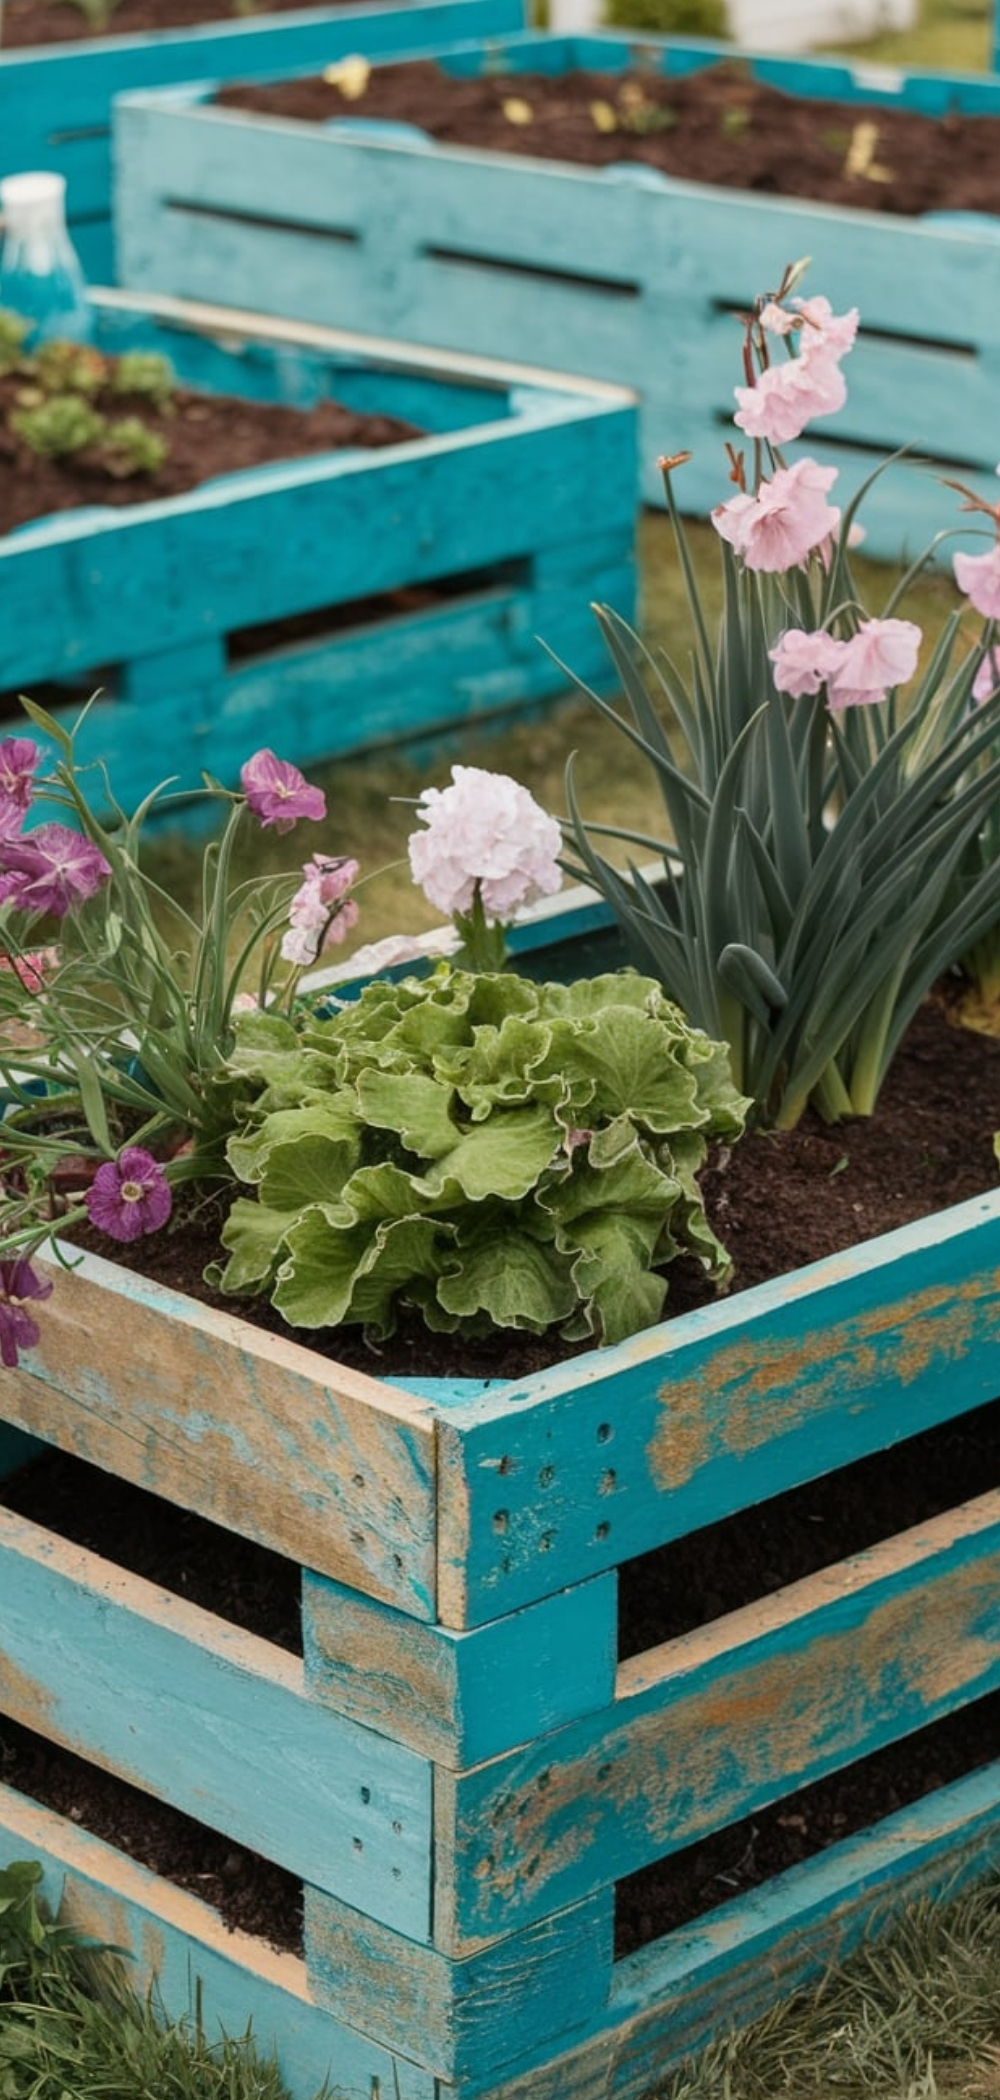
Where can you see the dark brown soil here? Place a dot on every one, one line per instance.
(716, 126)
(780, 1201)
(28, 22)
(207, 435)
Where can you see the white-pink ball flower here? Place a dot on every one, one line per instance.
(485, 831)
(978, 575)
(789, 516)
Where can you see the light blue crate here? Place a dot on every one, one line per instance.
(621, 273)
(486, 517)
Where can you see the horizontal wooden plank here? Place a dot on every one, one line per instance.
(465, 2020)
(710, 1728)
(716, 1410)
(698, 1985)
(180, 1944)
(212, 1720)
(260, 1435)
(461, 1697)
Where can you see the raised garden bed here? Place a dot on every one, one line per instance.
(467, 1762)
(621, 269)
(417, 577)
(55, 99)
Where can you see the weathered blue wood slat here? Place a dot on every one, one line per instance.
(149, 602)
(205, 1717)
(640, 274)
(55, 101)
(713, 1727)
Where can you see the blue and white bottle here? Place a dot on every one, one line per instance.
(40, 274)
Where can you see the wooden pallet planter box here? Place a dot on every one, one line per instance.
(489, 511)
(55, 101)
(462, 1769)
(621, 273)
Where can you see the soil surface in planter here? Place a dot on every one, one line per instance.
(27, 22)
(716, 126)
(207, 435)
(781, 1201)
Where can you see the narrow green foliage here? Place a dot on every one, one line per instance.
(490, 1152)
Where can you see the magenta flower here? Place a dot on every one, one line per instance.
(19, 759)
(882, 654)
(50, 869)
(484, 832)
(978, 575)
(987, 678)
(278, 793)
(321, 914)
(129, 1196)
(18, 1330)
(789, 516)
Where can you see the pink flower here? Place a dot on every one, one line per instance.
(321, 913)
(786, 397)
(50, 869)
(30, 970)
(777, 320)
(803, 662)
(484, 833)
(987, 678)
(978, 575)
(19, 759)
(824, 333)
(882, 654)
(788, 517)
(129, 1196)
(18, 1330)
(278, 793)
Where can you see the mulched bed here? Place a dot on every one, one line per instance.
(207, 435)
(29, 22)
(778, 1201)
(716, 126)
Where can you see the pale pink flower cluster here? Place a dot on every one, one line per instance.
(786, 396)
(321, 913)
(857, 672)
(788, 517)
(978, 575)
(484, 833)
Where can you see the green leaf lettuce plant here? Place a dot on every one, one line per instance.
(831, 843)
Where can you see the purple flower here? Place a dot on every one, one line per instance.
(17, 1328)
(278, 793)
(129, 1196)
(51, 869)
(19, 758)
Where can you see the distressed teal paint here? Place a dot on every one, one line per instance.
(718, 1409)
(179, 1943)
(466, 2020)
(185, 1707)
(55, 101)
(710, 1728)
(433, 242)
(461, 1697)
(157, 592)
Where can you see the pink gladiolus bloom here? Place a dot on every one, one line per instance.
(129, 1196)
(789, 516)
(321, 914)
(278, 793)
(484, 832)
(882, 654)
(987, 678)
(803, 662)
(51, 869)
(978, 575)
(787, 396)
(18, 1330)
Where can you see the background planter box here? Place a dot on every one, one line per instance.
(462, 1768)
(55, 102)
(489, 511)
(620, 273)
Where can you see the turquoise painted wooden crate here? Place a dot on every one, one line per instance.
(620, 273)
(160, 604)
(55, 101)
(463, 1768)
